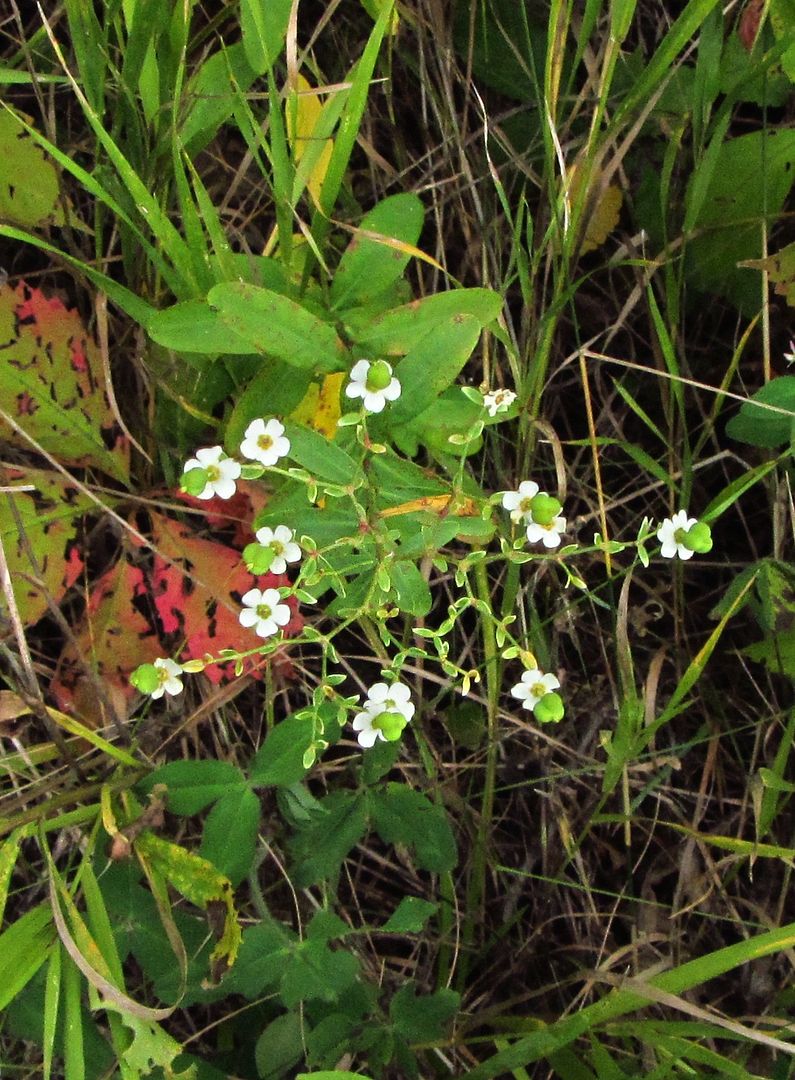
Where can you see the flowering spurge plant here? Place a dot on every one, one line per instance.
(374, 383)
(683, 536)
(265, 442)
(211, 473)
(386, 712)
(538, 512)
(536, 691)
(274, 549)
(160, 677)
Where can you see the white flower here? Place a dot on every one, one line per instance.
(549, 535)
(384, 709)
(280, 541)
(169, 675)
(265, 612)
(373, 383)
(790, 356)
(221, 470)
(497, 401)
(265, 442)
(534, 686)
(667, 535)
(518, 502)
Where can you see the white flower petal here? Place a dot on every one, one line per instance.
(374, 400)
(252, 598)
(209, 455)
(223, 488)
(248, 618)
(378, 693)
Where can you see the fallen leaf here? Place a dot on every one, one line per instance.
(42, 524)
(602, 215)
(113, 636)
(197, 586)
(28, 179)
(52, 384)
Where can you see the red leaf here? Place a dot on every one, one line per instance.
(114, 637)
(197, 586)
(52, 382)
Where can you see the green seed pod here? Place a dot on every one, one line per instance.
(145, 678)
(391, 725)
(379, 376)
(698, 538)
(549, 710)
(194, 481)
(544, 508)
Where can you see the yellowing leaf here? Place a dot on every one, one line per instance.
(303, 113)
(602, 215)
(781, 271)
(199, 882)
(437, 504)
(320, 408)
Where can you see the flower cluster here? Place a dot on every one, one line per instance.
(538, 512)
(387, 708)
(212, 474)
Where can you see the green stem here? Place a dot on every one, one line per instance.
(477, 882)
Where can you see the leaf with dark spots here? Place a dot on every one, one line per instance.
(53, 384)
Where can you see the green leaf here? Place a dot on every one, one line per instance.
(332, 1074)
(194, 327)
(423, 1018)
(314, 971)
(319, 456)
(326, 925)
(411, 588)
(213, 95)
(410, 916)
(402, 815)
(279, 761)
(277, 326)
(731, 193)
(193, 785)
(432, 366)
(764, 427)
(505, 44)
(320, 848)
(280, 1046)
(230, 833)
(466, 721)
(378, 760)
(776, 652)
(263, 27)
(28, 181)
(260, 962)
(24, 947)
(369, 266)
(268, 393)
(402, 329)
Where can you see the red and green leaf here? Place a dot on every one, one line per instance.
(39, 532)
(52, 385)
